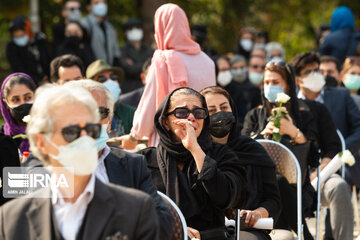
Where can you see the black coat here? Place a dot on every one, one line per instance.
(9, 157)
(129, 170)
(32, 59)
(214, 188)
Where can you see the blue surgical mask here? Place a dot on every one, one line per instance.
(101, 140)
(271, 92)
(256, 78)
(352, 82)
(21, 41)
(74, 15)
(100, 9)
(113, 87)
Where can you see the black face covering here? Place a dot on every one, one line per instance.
(221, 123)
(72, 41)
(19, 112)
(330, 81)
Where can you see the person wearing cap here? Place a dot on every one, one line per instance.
(27, 51)
(102, 34)
(112, 77)
(133, 54)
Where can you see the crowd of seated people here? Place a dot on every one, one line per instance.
(125, 123)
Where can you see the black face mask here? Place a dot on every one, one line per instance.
(72, 41)
(221, 123)
(330, 81)
(19, 112)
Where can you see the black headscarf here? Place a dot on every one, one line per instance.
(169, 153)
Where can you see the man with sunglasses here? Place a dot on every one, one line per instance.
(346, 116)
(256, 70)
(71, 11)
(119, 167)
(95, 210)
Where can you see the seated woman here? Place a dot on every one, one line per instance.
(299, 128)
(262, 192)
(350, 75)
(17, 95)
(202, 177)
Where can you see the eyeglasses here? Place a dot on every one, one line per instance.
(103, 78)
(279, 63)
(74, 8)
(183, 112)
(104, 112)
(72, 132)
(307, 72)
(258, 66)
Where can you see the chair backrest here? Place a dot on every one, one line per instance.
(283, 158)
(288, 165)
(180, 228)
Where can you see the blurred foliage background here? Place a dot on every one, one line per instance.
(293, 23)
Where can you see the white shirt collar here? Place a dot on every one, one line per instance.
(319, 98)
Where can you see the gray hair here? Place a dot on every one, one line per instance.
(237, 58)
(275, 46)
(46, 98)
(94, 86)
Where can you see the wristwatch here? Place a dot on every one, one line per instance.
(298, 133)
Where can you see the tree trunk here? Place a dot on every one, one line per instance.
(148, 8)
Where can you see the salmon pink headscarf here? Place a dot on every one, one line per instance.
(172, 34)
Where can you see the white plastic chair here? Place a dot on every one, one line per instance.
(177, 216)
(288, 165)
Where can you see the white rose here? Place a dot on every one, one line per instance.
(26, 119)
(282, 98)
(276, 130)
(278, 109)
(348, 158)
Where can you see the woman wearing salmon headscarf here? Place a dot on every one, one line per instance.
(178, 62)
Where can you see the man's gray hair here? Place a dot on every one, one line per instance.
(275, 46)
(95, 87)
(46, 98)
(237, 58)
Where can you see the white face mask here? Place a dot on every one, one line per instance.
(113, 87)
(135, 35)
(79, 156)
(256, 78)
(239, 74)
(246, 44)
(314, 82)
(224, 78)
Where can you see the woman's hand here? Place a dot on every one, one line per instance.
(251, 216)
(193, 233)
(127, 142)
(186, 133)
(287, 127)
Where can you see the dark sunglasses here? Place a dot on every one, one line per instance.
(183, 112)
(104, 112)
(72, 132)
(258, 66)
(103, 78)
(277, 63)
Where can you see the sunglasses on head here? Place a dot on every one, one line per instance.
(103, 78)
(104, 112)
(279, 63)
(183, 112)
(73, 132)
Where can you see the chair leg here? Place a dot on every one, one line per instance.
(355, 206)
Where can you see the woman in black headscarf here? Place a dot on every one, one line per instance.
(298, 131)
(263, 197)
(202, 177)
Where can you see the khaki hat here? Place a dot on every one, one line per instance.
(100, 66)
